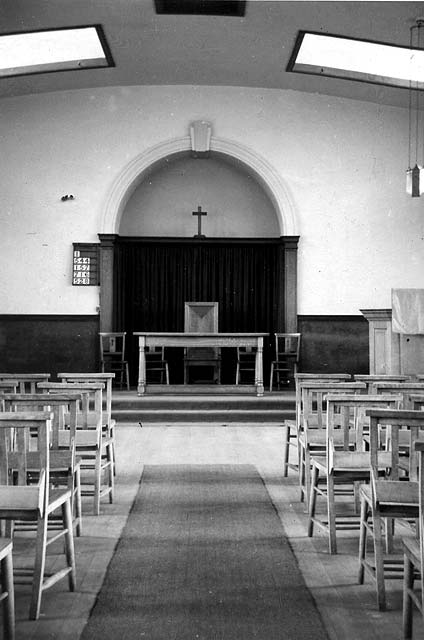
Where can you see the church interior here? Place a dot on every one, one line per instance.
(221, 280)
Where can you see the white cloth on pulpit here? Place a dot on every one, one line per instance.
(408, 311)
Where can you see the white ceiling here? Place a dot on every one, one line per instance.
(253, 51)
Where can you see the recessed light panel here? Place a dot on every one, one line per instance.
(53, 50)
(366, 61)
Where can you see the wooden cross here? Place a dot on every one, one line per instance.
(199, 213)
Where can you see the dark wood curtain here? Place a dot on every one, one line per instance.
(153, 278)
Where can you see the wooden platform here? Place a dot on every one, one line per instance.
(199, 406)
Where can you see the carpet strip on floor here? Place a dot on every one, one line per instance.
(203, 556)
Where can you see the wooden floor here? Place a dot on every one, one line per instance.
(349, 611)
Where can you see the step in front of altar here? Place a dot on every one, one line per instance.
(273, 409)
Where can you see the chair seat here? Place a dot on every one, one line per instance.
(396, 492)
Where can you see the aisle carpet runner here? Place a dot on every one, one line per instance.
(203, 556)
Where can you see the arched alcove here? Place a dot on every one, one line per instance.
(236, 205)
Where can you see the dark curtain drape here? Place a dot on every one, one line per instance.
(153, 279)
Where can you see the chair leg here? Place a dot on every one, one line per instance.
(408, 584)
(9, 601)
(331, 514)
(379, 560)
(313, 500)
(271, 377)
(362, 539)
(69, 543)
(39, 566)
(77, 501)
(127, 373)
(97, 482)
(286, 443)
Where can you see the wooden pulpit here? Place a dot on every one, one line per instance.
(202, 317)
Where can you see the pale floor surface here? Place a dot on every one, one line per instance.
(349, 610)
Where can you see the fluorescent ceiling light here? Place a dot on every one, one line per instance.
(340, 57)
(53, 50)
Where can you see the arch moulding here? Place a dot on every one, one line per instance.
(135, 171)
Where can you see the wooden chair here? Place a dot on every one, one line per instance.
(413, 566)
(21, 499)
(291, 428)
(387, 497)
(7, 595)
(93, 445)
(345, 463)
(27, 381)
(286, 361)
(65, 466)
(112, 356)
(109, 423)
(157, 369)
(202, 317)
(246, 364)
(312, 434)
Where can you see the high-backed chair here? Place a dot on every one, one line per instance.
(93, 445)
(112, 356)
(202, 317)
(286, 359)
(413, 549)
(65, 466)
(387, 498)
(7, 595)
(23, 499)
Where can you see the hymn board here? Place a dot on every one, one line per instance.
(85, 266)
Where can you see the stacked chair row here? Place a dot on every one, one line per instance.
(359, 446)
(57, 444)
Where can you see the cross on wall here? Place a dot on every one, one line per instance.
(199, 213)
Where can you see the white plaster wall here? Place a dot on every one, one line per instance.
(343, 163)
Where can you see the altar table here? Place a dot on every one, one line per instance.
(186, 339)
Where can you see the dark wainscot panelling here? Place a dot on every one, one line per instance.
(334, 344)
(48, 343)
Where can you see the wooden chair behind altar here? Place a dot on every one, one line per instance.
(202, 317)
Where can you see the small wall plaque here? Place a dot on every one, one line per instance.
(85, 270)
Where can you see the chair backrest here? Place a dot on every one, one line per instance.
(92, 401)
(347, 411)
(314, 399)
(287, 345)
(394, 420)
(9, 386)
(314, 377)
(89, 378)
(27, 381)
(112, 345)
(406, 389)
(21, 432)
(58, 405)
(201, 317)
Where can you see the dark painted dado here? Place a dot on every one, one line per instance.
(48, 343)
(334, 344)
